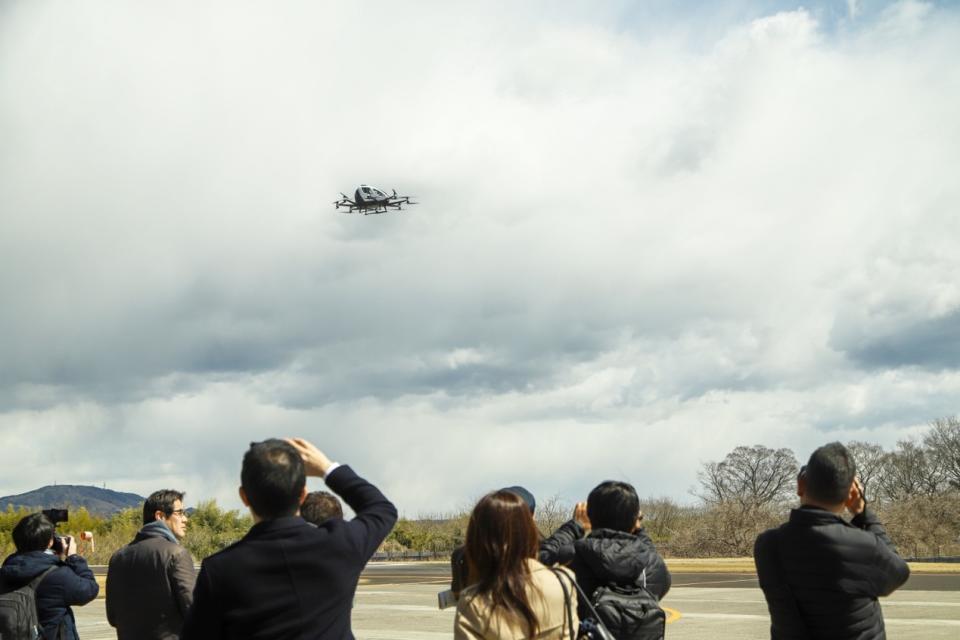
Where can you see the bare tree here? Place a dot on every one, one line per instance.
(925, 525)
(911, 470)
(871, 462)
(551, 513)
(719, 531)
(661, 517)
(751, 477)
(943, 441)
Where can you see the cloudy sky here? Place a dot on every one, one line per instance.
(647, 233)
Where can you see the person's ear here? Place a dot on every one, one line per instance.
(243, 497)
(801, 485)
(159, 515)
(303, 495)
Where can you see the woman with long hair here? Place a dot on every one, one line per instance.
(512, 596)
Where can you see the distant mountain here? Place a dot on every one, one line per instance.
(97, 501)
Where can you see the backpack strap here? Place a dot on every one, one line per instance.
(602, 628)
(36, 581)
(566, 601)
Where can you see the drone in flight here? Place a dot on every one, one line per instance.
(367, 199)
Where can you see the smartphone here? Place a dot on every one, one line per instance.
(446, 599)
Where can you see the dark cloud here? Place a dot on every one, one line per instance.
(928, 343)
(622, 236)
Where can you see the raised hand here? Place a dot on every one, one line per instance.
(316, 462)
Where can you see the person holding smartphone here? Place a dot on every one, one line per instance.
(821, 574)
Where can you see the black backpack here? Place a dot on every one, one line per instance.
(18, 611)
(629, 612)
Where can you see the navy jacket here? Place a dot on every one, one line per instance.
(606, 557)
(289, 580)
(822, 576)
(72, 583)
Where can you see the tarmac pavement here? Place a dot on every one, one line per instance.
(399, 602)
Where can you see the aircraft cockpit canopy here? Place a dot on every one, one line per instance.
(368, 193)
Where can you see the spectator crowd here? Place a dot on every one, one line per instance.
(295, 573)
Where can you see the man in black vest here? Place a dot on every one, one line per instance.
(820, 574)
(287, 579)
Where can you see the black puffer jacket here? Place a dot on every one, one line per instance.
(72, 583)
(822, 576)
(606, 557)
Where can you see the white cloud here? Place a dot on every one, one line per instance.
(630, 254)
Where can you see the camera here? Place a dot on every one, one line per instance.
(56, 516)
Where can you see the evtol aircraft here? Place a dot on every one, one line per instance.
(367, 199)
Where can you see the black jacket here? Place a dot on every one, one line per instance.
(72, 583)
(149, 588)
(606, 557)
(289, 580)
(822, 576)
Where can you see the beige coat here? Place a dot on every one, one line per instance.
(475, 621)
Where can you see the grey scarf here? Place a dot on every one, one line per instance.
(159, 526)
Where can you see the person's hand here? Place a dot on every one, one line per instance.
(314, 460)
(580, 515)
(69, 546)
(856, 502)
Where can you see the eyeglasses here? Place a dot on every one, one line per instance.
(179, 512)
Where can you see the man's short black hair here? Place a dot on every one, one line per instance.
(613, 505)
(161, 500)
(829, 473)
(320, 506)
(33, 533)
(273, 478)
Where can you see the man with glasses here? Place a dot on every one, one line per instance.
(150, 581)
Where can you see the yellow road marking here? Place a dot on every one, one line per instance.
(672, 614)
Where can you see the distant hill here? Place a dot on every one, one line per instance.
(97, 501)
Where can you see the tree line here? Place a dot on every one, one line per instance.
(915, 488)
(209, 530)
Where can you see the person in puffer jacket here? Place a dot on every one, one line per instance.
(822, 575)
(604, 543)
(70, 583)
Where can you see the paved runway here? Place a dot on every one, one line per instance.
(439, 573)
(398, 601)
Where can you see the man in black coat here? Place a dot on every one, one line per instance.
(605, 544)
(820, 574)
(70, 583)
(287, 579)
(150, 581)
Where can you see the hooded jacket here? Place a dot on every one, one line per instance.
(150, 586)
(72, 583)
(822, 575)
(606, 557)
